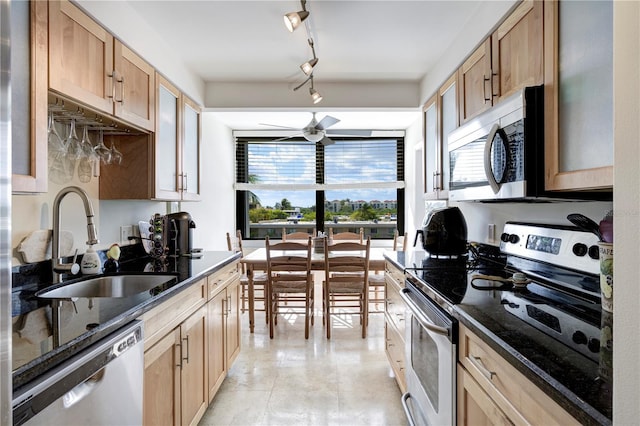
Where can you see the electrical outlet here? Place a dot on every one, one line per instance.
(125, 232)
(491, 232)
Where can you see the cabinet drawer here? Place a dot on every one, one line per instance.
(395, 274)
(165, 317)
(521, 400)
(394, 346)
(394, 306)
(217, 281)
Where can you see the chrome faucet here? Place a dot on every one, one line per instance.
(56, 261)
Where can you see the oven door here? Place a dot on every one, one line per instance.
(431, 337)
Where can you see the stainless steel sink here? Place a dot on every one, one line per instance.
(107, 286)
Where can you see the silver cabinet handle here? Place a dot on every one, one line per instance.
(179, 347)
(477, 362)
(112, 76)
(187, 357)
(484, 88)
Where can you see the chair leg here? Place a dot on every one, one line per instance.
(327, 310)
(269, 312)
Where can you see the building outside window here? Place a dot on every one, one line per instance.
(296, 185)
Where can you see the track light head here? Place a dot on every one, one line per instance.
(315, 95)
(294, 19)
(307, 67)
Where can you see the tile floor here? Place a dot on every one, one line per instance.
(292, 381)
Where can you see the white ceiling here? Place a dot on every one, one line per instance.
(383, 41)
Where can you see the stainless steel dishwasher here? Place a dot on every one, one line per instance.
(102, 385)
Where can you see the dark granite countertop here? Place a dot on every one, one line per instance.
(87, 320)
(577, 383)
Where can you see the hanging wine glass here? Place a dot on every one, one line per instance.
(85, 165)
(60, 166)
(101, 149)
(116, 156)
(73, 143)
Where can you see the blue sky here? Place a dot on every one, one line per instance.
(345, 162)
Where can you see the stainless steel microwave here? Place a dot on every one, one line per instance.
(499, 155)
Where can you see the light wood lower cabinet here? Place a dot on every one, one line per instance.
(394, 323)
(175, 380)
(493, 392)
(191, 341)
(224, 325)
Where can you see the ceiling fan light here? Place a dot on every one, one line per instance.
(315, 95)
(307, 67)
(294, 19)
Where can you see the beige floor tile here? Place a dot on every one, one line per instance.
(292, 381)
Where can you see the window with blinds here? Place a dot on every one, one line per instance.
(293, 183)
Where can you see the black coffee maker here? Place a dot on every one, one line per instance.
(180, 233)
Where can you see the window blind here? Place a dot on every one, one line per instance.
(294, 164)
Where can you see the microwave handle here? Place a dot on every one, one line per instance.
(495, 186)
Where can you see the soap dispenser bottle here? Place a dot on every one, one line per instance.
(91, 263)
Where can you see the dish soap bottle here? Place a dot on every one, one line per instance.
(91, 263)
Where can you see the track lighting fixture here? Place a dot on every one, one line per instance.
(294, 19)
(316, 97)
(307, 67)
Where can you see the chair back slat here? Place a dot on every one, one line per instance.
(349, 236)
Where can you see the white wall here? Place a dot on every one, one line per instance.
(215, 214)
(626, 298)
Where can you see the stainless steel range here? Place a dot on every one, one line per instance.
(542, 279)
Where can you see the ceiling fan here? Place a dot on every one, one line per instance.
(317, 131)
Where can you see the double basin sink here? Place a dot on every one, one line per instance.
(108, 286)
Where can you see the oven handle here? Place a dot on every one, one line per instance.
(407, 411)
(421, 317)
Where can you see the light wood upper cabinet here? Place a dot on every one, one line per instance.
(177, 144)
(474, 76)
(29, 97)
(440, 114)
(578, 49)
(512, 58)
(87, 64)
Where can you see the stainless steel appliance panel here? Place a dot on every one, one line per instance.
(102, 385)
(5, 213)
(431, 340)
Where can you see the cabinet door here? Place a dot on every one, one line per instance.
(217, 358)
(431, 167)
(29, 96)
(447, 99)
(516, 51)
(475, 407)
(578, 50)
(80, 56)
(232, 328)
(167, 137)
(162, 381)
(194, 367)
(474, 78)
(190, 158)
(134, 87)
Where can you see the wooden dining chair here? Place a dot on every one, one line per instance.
(259, 279)
(296, 235)
(289, 281)
(376, 278)
(346, 236)
(345, 284)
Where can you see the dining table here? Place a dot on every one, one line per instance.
(257, 261)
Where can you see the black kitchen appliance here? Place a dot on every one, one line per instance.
(444, 232)
(548, 314)
(180, 239)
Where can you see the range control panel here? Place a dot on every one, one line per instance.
(565, 246)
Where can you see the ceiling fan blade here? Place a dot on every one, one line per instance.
(350, 132)
(286, 137)
(326, 122)
(281, 127)
(326, 141)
